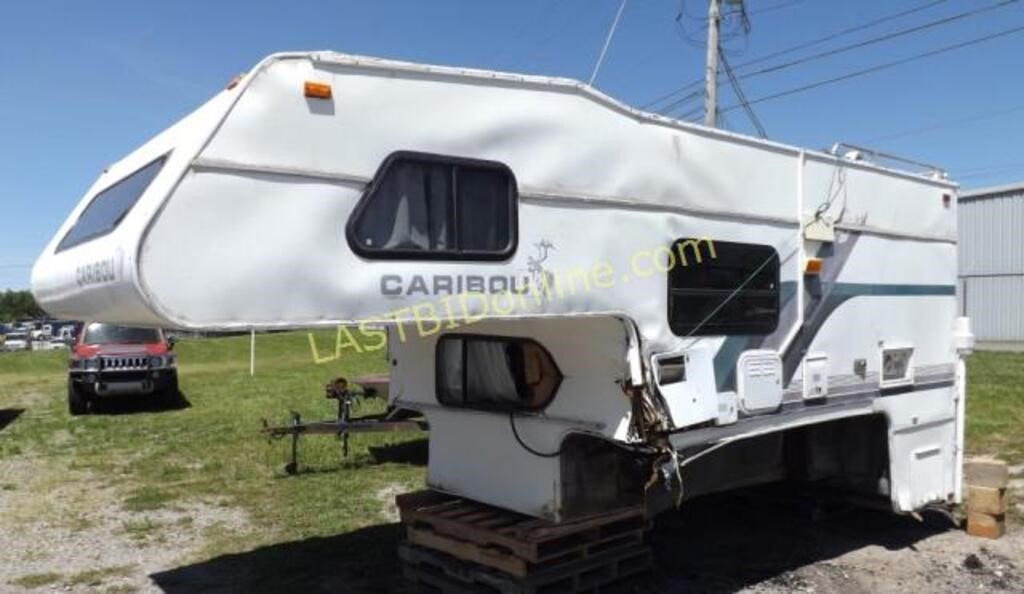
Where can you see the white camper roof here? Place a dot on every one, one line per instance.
(269, 174)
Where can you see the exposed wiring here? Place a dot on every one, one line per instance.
(836, 185)
(515, 432)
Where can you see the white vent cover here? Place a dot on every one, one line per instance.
(815, 376)
(897, 365)
(759, 381)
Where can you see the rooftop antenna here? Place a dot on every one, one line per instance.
(607, 42)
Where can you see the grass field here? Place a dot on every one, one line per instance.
(151, 468)
(212, 453)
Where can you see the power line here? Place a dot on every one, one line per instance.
(875, 40)
(741, 96)
(704, 19)
(680, 102)
(806, 44)
(880, 67)
(840, 33)
(947, 124)
(773, 8)
(521, 31)
(983, 172)
(880, 39)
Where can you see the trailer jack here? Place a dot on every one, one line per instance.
(393, 420)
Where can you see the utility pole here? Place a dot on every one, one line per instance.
(711, 69)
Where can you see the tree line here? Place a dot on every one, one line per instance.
(16, 305)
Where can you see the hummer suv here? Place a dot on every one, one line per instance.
(110, 360)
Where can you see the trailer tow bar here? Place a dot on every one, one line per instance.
(394, 420)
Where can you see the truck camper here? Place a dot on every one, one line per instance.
(593, 306)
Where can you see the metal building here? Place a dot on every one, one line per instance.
(991, 286)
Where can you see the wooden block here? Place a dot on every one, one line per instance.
(986, 500)
(986, 472)
(985, 526)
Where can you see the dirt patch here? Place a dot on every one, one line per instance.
(772, 540)
(386, 496)
(70, 531)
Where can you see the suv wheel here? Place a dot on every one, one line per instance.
(170, 394)
(78, 404)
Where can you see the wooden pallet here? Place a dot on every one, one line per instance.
(500, 559)
(433, 571)
(509, 541)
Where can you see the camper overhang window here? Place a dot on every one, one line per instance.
(106, 211)
(424, 206)
(495, 373)
(727, 288)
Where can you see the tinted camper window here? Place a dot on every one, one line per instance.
(105, 212)
(494, 373)
(730, 288)
(432, 207)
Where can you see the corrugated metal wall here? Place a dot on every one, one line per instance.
(992, 263)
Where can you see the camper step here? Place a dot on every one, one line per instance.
(429, 570)
(457, 524)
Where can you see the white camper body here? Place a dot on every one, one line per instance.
(592, 305)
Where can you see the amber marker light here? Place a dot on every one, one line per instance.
(317, 90)
(813, 265)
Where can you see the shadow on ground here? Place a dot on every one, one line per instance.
(407, 452)
(729, 541)
(9, 415)
(141, 403)
(364, 560)
(719, 543)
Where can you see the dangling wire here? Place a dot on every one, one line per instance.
(515, 432)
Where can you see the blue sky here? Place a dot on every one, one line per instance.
(84, 82)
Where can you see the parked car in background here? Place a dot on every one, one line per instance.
(109, 360)
(17, 340)
(66, 334)
(48, 344)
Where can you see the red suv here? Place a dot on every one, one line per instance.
(109, 360)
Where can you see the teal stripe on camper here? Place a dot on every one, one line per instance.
(860, 289)
(838, 293)
(733, 346)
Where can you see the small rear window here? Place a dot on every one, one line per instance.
(109, 207)
(495, 373)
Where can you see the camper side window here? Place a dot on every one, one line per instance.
(495, 373)
(105, 212)
(422, 206)
(721, 288)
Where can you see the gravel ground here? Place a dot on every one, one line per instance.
(67, 532)
(771, 540)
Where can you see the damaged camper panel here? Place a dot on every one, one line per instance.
(564, 279)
